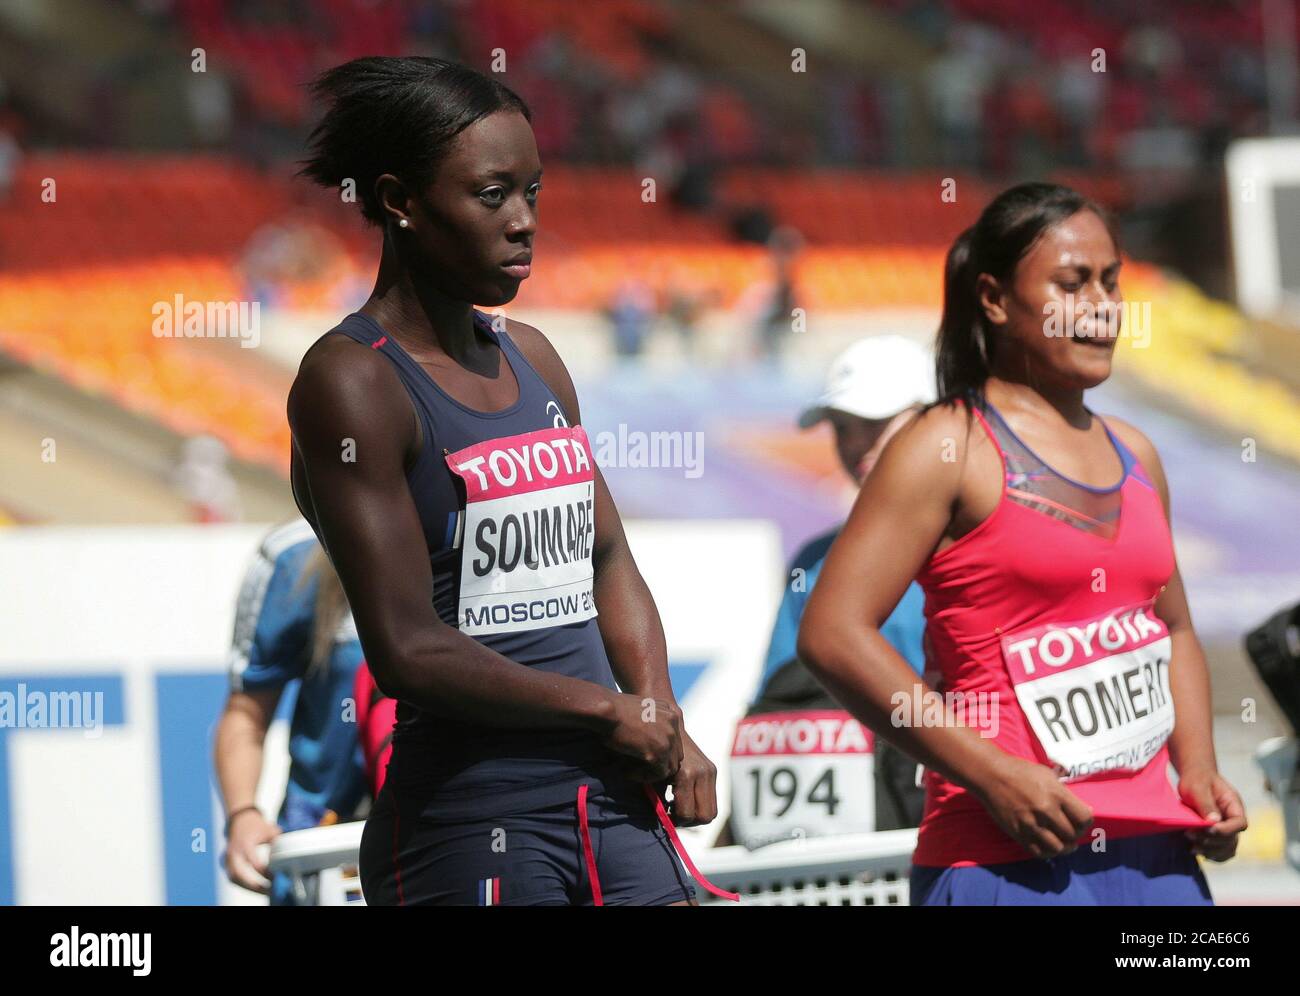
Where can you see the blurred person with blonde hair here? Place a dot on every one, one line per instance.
(292, 625)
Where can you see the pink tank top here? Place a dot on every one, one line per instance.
(1043, 631)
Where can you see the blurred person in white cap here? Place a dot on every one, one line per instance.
(872, 389)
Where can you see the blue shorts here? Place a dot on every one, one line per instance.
(535, 858)
(1148, 870)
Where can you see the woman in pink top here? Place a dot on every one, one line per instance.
(1066, 675)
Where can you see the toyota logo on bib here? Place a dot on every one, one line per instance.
(529, 531)
(1095, 692)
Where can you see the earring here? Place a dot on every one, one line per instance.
(404, 223)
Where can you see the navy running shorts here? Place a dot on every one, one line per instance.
(540, 857)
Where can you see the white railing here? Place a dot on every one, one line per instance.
(322, 864)
(854, 870)
(865, 869)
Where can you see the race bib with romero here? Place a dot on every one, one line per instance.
(806, 773)
(527, 531)
(1095, 692)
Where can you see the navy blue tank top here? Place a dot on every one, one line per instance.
(506, 501)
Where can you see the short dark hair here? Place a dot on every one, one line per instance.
(1006, 230)
(387, 114)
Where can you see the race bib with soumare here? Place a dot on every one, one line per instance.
(1095, 692)
(527, 531)
(801, 774)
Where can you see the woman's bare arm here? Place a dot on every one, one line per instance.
(899, 518)
(1192, 742)
(629, 621)
(1191, 745)
(237, 754)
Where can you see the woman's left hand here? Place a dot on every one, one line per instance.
(695, 794)
(1209, 793)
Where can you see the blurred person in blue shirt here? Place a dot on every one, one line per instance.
(292, 627)
(872, 390)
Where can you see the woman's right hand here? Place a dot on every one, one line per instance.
(648, 730)
(246, 861)
(1034, 807)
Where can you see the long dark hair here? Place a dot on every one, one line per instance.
(386, 114)
(995, 244)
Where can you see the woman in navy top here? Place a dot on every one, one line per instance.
(441, 459)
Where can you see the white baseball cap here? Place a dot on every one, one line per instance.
(875, 378)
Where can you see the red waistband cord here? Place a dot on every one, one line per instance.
(682, 852)
(587, 853)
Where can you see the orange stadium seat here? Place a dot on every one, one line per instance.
(80, 305)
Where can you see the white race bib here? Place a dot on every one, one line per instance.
(1096, 692)
(527, 532)
(801, 774)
